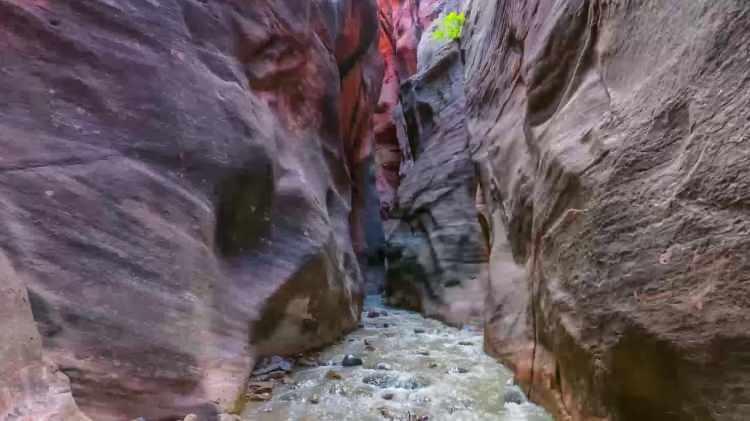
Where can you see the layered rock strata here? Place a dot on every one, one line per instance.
(180, 184)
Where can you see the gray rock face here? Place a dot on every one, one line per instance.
(176, 193)
(436, 255)
(612, 140)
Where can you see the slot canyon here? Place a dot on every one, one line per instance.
(266, 210)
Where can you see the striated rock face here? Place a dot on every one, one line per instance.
(402, 23)
(612, 139)
(436, 256)
(176, 189)
(435, 252)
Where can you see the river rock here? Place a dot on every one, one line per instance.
(388, 396)
(351, 361)
(333, 375)
(271, 364)
(383, 366)
(513, 395)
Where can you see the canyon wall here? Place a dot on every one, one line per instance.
(436, 254)
(181, 183)
(614, 157)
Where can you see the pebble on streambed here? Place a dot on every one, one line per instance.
(351, 361)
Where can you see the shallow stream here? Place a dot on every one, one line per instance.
(412, 368)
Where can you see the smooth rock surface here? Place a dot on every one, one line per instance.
(612, 142)
(180, 189)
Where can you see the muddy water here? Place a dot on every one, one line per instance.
(412, 367)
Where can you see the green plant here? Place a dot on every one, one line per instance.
(450, 27)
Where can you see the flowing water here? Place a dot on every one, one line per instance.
(412, 367)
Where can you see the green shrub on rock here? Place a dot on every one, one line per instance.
(450, 27)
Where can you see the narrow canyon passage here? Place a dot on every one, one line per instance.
(412, 368)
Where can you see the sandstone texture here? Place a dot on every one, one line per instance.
(613, 144)
(180, 188)
(436, 255)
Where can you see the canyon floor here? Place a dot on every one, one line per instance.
(412, 368)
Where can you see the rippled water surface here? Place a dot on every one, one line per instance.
(441, 373)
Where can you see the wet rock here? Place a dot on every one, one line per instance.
(422, 352)
(388, 396)
(275, 363)
(369, 348)
(433, 365)
(260, 391)
(382, 366)
(419, 331)
(513, 395)
(351, 361)
(307, 362)
(386, 325)
(373, 314)
(458, 370)
(466, 343)
(333, 375)
(314, 399)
